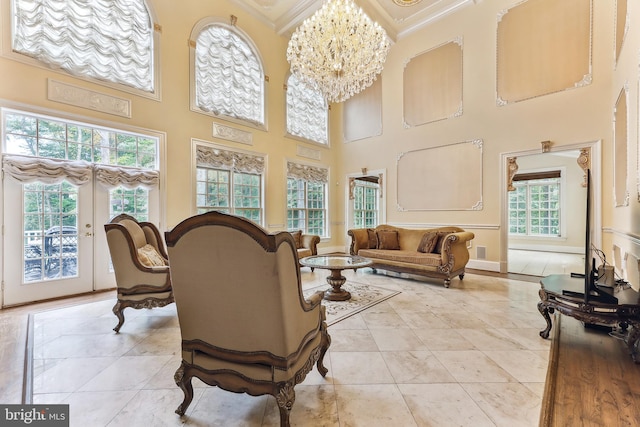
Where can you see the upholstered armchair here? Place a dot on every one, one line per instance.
(140, 265)
(306, 244)
(245, 324)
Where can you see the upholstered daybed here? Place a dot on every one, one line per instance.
(436, 252)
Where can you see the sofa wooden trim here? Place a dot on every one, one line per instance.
(450, 263)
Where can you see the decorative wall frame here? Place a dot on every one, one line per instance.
(536, 57)
(448, 177)
(621, 28)
(620, 148)
(362, 113)
(232, 134)
(432, 85)
(90, 99)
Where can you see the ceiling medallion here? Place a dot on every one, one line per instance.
(338, 50)
(406, 2)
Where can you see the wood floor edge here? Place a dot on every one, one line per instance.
(549, 394)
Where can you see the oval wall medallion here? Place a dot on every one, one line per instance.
(406, 2)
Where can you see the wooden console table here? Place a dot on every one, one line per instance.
(626, 313)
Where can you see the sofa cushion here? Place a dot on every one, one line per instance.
(304, 252)
(149, 256)
(388, 239)
(297, 238)
(428, 242)
(441, 237)
(410, 257)
(373, 238)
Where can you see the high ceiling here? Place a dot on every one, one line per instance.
(398, 17)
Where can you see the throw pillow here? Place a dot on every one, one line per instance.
(428, 242)
(388, 239)
(438, 248)
(149, 256)
(373, 238)
(297, 238)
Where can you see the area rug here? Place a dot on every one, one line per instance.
(363, 296)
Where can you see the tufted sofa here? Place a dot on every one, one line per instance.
(436, 252)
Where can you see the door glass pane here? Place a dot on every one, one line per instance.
(50, 230)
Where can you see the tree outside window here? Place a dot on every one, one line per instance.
(306, 206)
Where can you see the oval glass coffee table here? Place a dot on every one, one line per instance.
(336, 263)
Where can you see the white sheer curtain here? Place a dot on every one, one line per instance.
(52, 171)
(228, 75)
(306, 112)
(109, 40)
(30, 169)
(230, 160)
(307, 173)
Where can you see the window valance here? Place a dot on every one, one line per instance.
(307, 173)
(54, 171)
(231, 160)
(115, 176)
(50, 171)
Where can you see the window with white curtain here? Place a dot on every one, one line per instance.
(307, 199)
(229, 181)
(111, 40)
(307, 112)
(228, 77)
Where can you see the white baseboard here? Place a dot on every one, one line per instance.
(479, 264)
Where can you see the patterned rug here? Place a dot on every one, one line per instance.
(362, 297)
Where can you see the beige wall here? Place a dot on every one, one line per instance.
(567, 118)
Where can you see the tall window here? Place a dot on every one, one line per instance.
(307, 199)
(366, 196)
(228, 78)
(534, 207)
(105, 40)
(307, 112)
(132, 202)
(229, 182)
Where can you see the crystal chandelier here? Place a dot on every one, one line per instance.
(338, 50)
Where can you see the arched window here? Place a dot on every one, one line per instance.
(307, 112)
(228, 77)
(111, 41)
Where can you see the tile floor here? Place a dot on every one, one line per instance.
(538, 263)
(469, 355)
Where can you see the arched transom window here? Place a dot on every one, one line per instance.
(107, 40)
(228, 76)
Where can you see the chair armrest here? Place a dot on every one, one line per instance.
(315, 299)
(310, 241)
(359, 240)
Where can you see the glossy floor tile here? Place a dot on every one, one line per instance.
(469, 355)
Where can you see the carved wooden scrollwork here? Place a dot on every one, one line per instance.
(584, 161)
(512, 168)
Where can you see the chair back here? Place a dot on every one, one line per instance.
(238, 287)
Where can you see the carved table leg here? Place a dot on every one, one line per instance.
(544, 310)
(336, 293)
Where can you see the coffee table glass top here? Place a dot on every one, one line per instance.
(338, 262)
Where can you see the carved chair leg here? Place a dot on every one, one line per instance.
(184, 382)
(324, 346)
(447, 282)
(461, 276)
(285, 398)
(118, 311)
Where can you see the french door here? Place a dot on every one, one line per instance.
(48, 240)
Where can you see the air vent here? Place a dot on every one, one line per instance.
(481, 252)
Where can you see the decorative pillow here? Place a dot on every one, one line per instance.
(149, 256)
(441, 237)
(297, 237)
(428, 242)
(373, 238)
(388, 239)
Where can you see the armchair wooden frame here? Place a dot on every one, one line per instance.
(138, 286)
(270, 336)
